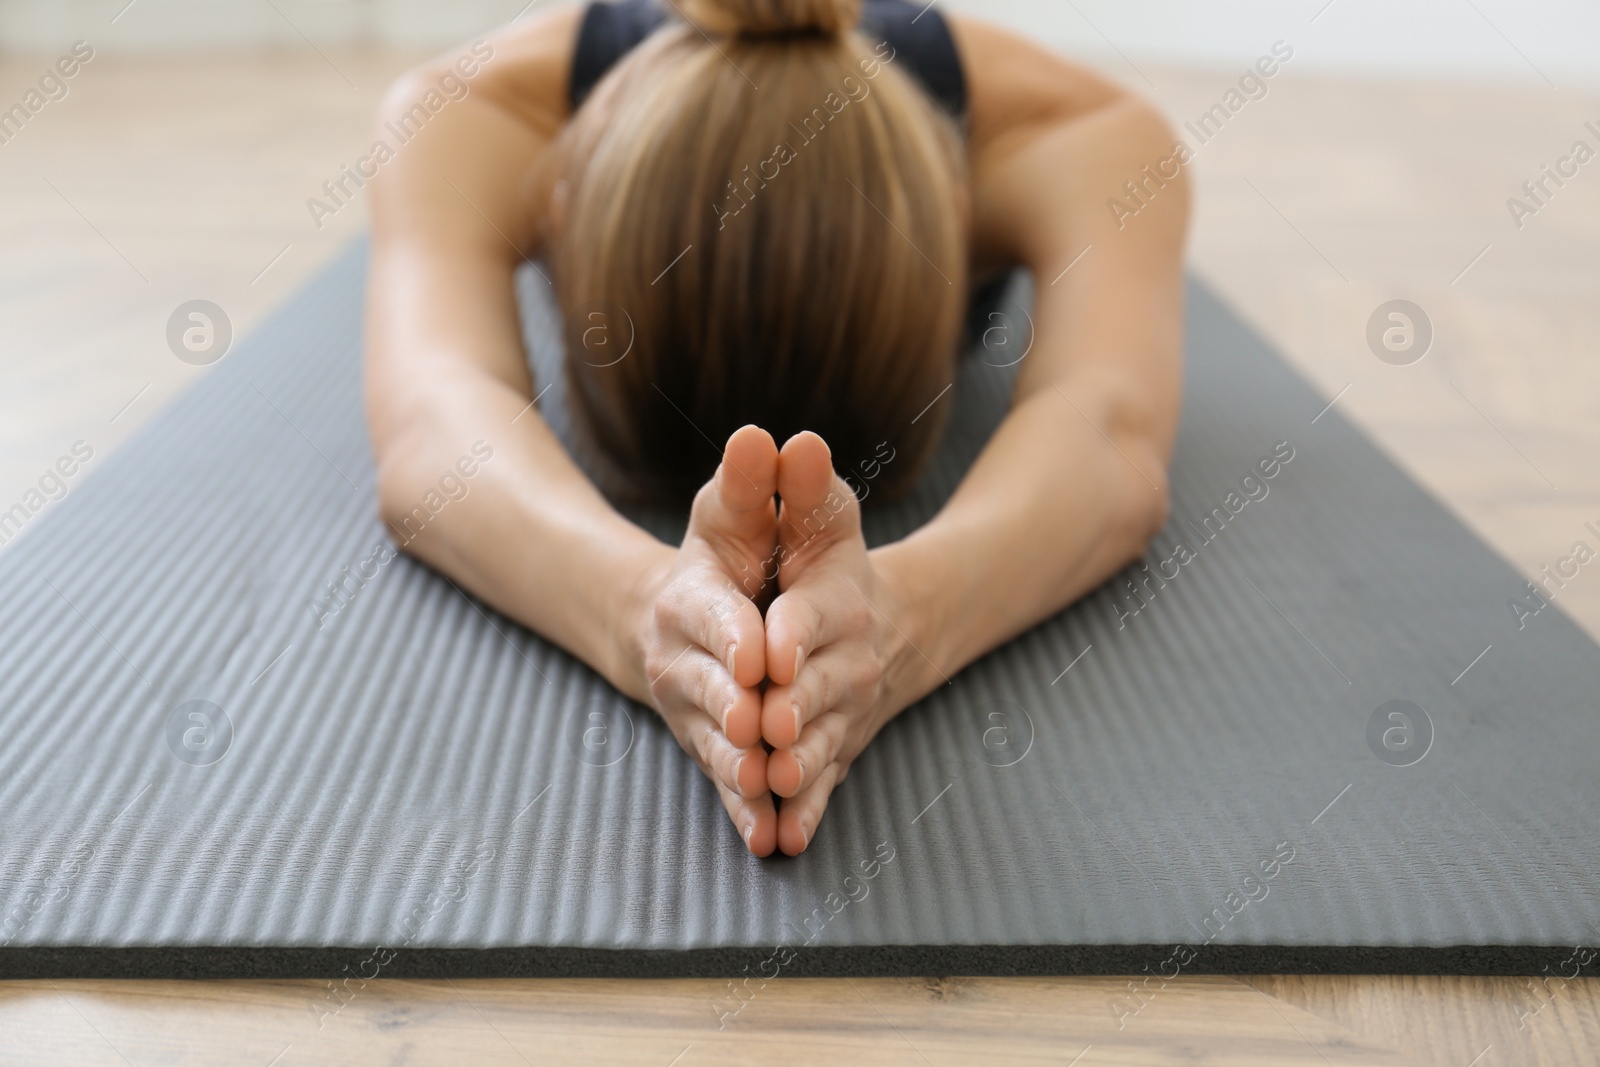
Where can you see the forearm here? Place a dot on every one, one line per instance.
(530, 536)
(1073, 484)
(1052, 508)
(526, 532)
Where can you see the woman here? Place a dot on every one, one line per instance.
(785, 201)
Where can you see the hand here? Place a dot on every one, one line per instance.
(839, 668)
(696, 646)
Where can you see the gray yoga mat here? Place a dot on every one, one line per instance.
(405, 783)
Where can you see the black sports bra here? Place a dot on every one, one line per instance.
(920, 38)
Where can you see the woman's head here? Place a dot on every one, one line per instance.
(767, 216)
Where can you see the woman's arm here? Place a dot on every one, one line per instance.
(445, 370)
(445, 366)
(1073, 484)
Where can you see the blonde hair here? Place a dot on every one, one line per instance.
(764, 213)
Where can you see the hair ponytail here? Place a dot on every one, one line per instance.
(772, 18)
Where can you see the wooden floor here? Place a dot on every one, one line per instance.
(1265, 1021)
(156, 182)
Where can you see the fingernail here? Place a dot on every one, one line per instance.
(796, 709)
(799, 659)
(801, 767)
(805, 834)
(738, 765)
(733, 652)
(748, 830)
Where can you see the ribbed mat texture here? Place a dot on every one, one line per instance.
(1196, 767)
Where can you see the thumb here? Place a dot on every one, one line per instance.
(819, 509)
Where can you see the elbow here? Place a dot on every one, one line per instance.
(1149, 505)
(397, 509)
(1158, 507)
(390, 511)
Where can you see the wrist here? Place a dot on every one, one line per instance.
(637, 582)
(920, 610)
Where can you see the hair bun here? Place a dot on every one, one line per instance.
(772, 18)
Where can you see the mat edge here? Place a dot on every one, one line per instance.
(881, 961)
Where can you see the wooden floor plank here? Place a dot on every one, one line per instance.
(792, 1021)
(1450, 1021)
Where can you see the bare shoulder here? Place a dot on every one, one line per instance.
(524, 67)
(1019, 89)
(1050, 143)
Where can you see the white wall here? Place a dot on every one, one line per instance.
(1419, 38)
(1416, 38)
(179, 25)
